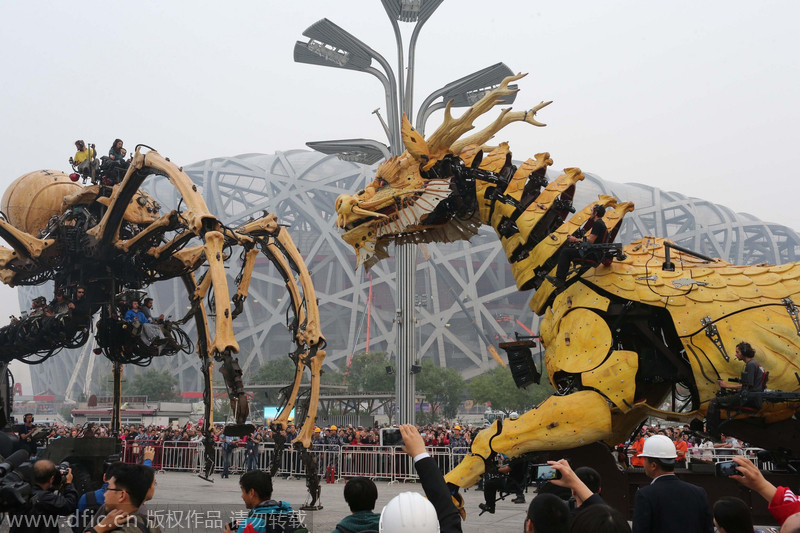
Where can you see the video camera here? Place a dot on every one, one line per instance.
(16, 481)
(62, 469)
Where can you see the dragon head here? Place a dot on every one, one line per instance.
(423, 195)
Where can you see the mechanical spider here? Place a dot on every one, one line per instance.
(112, 238)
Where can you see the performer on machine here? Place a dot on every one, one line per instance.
(26, 434)
(597, 234)
(752, 381)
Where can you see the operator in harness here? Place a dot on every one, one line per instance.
(744, 393)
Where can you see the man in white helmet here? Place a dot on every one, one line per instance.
(668, 504)
(409, 512)
(446, 517)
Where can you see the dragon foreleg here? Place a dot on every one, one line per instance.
(558, 423)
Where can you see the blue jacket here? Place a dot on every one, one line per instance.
(131, 315)
(272, 517)
(100, 494)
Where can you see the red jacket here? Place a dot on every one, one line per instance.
(637, 446)
(784, 504)
(681, 448)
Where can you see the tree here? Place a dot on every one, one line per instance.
(157, 385)
(443, 388)
(367, 373)
(66, 413)
(497, 387)
(281, 370)
(332, 376)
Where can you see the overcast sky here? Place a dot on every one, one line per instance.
(694, 97)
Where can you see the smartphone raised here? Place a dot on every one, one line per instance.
(391, 437)
(545, 472)
(726, 469)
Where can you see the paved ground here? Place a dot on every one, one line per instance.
(184, 503)
(193, 496)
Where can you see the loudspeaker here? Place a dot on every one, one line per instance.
(520, 362)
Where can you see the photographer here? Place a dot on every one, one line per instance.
(48, 501)
(509, 478)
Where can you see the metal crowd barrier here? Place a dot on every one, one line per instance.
(376, 462)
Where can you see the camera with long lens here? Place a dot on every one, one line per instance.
(62, 469)
(16, 481)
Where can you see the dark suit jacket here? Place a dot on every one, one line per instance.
(670, 505)
(439, 495)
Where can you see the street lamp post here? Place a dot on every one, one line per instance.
(466, 91)
(331, 46)
(418, 12)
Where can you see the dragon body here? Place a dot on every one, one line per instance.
(647, 334)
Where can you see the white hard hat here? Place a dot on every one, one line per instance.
(409, 512)
(513, 414)
(659, 447)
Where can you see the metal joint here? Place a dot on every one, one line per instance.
(791, 308)
(713, 333)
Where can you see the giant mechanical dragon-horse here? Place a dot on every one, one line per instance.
(111, 239)
(646, 334)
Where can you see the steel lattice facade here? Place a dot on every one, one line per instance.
(465, 288)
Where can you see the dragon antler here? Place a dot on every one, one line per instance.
(445, 139)
(452, 129)
(501, 122)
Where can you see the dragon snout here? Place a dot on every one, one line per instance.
(348, 210)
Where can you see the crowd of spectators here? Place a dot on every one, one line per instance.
(440, 435)
(702, 448)
(446, 434)
(681, 440)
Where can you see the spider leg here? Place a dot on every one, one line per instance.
(142, 166)
(172, 245)
(282, 252)
(189, 259)
(165, 223)
(24, 254)
(207, 365)
(244, 282)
